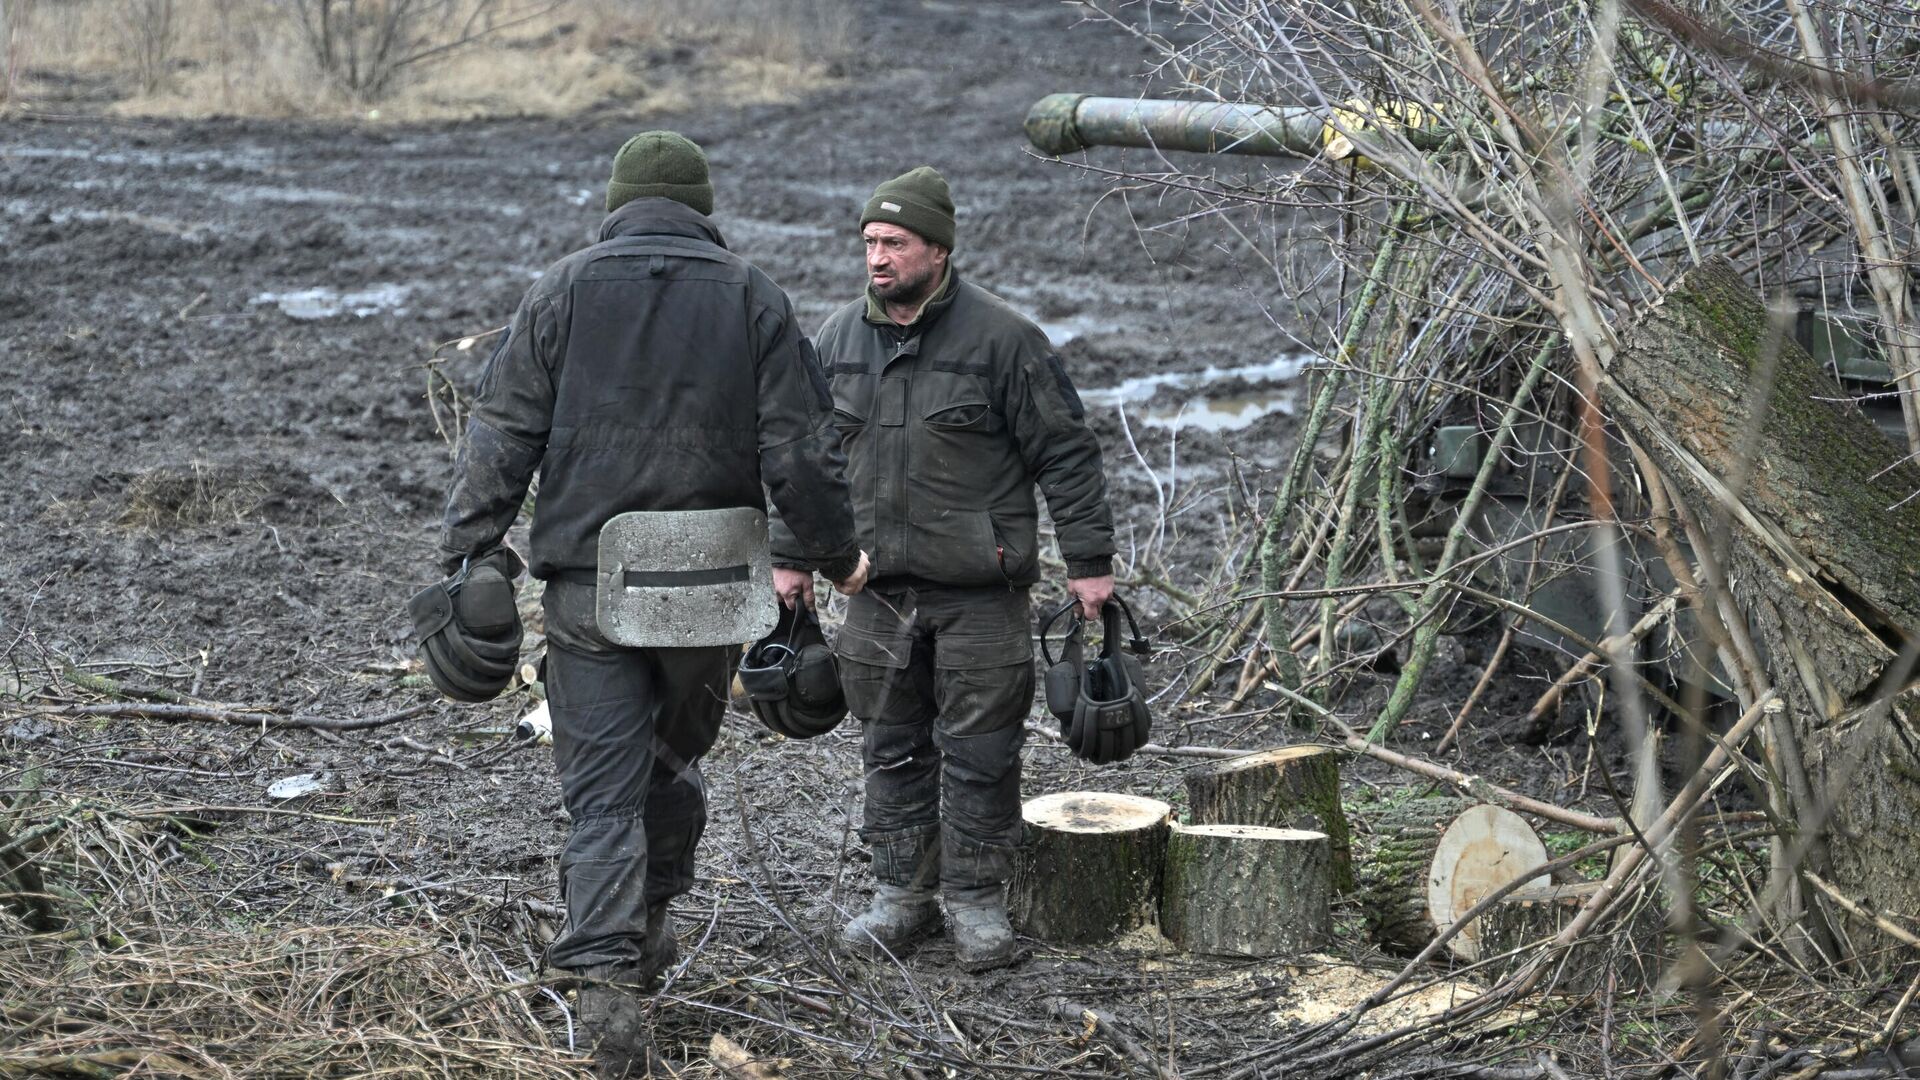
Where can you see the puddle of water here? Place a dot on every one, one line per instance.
(1061, 331)
(1143, 387)
(251, 159)
(62, 215)
(1221, 414)
(1202, 411)
(325, 303)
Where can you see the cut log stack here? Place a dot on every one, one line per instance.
(1293, 787)
(1091, 870)
(1099, 865)
(1424, 862)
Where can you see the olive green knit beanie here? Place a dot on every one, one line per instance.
(918, 200)
(663, 163)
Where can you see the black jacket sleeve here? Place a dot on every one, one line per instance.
(800, 458)
(1049, 423)
(506, 436)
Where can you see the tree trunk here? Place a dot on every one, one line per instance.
(1092, 869)
(1245, 890)
(1293, 787)
(1820, 552)
(1630, 952)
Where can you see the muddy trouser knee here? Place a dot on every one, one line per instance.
(629, 728)
(942, 680)
(901, 819)
(980, 731)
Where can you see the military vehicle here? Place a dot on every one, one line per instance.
(1444, 459)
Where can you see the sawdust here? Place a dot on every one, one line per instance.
(1322, 988)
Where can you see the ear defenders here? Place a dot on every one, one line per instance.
(1101, 704)
(792, 679)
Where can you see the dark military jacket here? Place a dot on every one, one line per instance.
(655, 370)
(948, 424)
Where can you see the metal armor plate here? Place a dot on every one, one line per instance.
(683, 578)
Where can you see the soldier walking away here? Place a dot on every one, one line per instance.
(951, 407)
(656, 381)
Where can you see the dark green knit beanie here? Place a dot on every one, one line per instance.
(663, 163)
(919, 201)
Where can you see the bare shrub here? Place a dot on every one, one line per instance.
(363, 45)
(15, 16)
(430, 59)
(149, 32)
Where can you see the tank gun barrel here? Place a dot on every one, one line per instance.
(1064, 123)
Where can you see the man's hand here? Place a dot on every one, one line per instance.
(1092, 592)
(793, 586)
(855, 581)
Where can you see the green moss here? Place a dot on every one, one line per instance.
(1566, 843)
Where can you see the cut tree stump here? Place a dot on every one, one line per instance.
(1628, 947)
(1293, 787)
(1247, 890)
(1091, 868)
(1422, 862)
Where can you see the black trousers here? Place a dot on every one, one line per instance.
(942, 681)
(629, 729)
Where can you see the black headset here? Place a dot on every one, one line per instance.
(1101, 704)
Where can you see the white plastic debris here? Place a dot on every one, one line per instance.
(536, 725)
(292, 787)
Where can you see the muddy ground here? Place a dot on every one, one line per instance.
(224, 478)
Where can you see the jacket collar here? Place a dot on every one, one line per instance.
(653, 215)
(930, 311)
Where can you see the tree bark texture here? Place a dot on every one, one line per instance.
(1629, 947)
(1821, 552)
(1243, 890)
(1393, 850)
(1092, 866)
(1293, 787)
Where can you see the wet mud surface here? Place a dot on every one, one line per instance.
(224, 476)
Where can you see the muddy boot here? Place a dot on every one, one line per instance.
(659, 952)
(982, 936)
(897, 918)
(613, 1016)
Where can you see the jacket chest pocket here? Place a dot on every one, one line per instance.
(852, 401)
(860, 399)
(956, 406)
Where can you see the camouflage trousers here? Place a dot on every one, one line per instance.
(942, 682)
(629, 729)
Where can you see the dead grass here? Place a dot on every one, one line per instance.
(109, 968)
(247, 58)
(179, 496)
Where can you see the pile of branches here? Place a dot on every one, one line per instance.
(107, 968)
(1503, 204)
